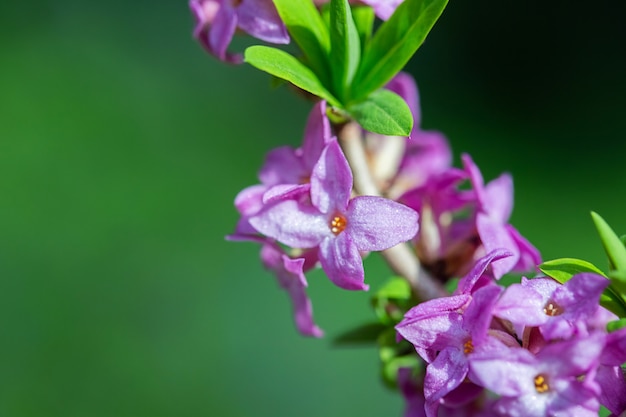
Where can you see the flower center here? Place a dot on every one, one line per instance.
(468, 347)
(552, 309)
(541, 384)
(338, 224)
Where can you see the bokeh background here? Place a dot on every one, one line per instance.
(122, 146)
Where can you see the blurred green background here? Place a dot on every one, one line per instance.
(122, 146)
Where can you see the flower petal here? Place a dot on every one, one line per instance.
(376, 223)
(290, 276)
(521, 305)
(342, 262)
(494, 235)
(467, 283)
(443, 375)
(331, 180)
(499, 198)
(282, 166)
(317, 134)
(292, 223)
(260, 19)
(221, 34)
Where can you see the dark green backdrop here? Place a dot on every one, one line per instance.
(122, 146)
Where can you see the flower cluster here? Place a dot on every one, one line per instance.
(368, 178)
(537, 348)
(305, 208)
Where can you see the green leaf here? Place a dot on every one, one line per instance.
(283, 65)
(395, 42)
(396, 288)
(383, 112)
(618, 280)
(364, 334)
(613, 246)
(308, 30)
(612, 301)
(345, 47)
(616, 325)
(364, 20)
(391, 367)
(392, 300)
(563, 269)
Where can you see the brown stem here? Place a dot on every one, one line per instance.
(400, 258)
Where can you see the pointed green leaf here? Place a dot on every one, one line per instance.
(612, 301)
(283, 65)
(306, 27)
(364, 20)
(396, 289)
(395, 42)
(345, 47)
(563, 269)
(613, 246)
(616, 325)
(392, 300)
(618, 281)
(391, 367)
(383, 112)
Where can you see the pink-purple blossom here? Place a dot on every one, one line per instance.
(556, 381)
(559, 310)
(340, 226)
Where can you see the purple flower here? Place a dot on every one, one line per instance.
(446, 334)
(560, 311)
(217, 21)
(495, 203)
(554, 382)
(290, 275)
(339, 226)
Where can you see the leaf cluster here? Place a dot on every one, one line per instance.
(346, 62)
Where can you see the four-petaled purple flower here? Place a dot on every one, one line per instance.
(446, 332)
(342, 227)
(558, 381)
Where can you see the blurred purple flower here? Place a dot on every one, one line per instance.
(217, 21)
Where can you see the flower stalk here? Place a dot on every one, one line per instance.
(400, 258)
